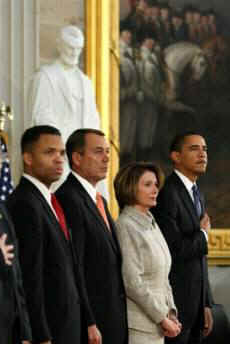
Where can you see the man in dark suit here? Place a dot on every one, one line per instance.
(184, 222)
(166, 32)
(178, 27)
(45, 244)
(14, 321)
(94, 238)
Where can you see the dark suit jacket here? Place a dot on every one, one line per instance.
(12, 300)
(166, 34)
(100, 260)
(176, 215)
(179, 34)
(47, 267)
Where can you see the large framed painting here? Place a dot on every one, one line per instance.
(174, 77)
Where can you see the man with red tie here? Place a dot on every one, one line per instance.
(49, 267)
(94, 238)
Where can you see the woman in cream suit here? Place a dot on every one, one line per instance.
(152, 313)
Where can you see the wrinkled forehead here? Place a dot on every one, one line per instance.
(93, 141)
(72, 36)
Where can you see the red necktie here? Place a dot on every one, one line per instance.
(60, 215)
(101, 208)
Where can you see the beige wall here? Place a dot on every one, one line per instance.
(27, 38)
(52, 15)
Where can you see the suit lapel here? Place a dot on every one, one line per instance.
(202, 205)
(113, 231)
(54, 220)
(48, 210)
(93, 209)
(186, 199)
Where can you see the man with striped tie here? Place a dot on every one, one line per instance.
(184, 222)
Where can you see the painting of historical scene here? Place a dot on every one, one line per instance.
(175, 76)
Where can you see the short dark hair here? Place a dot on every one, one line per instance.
(154, 4)
(211, 12)
(179, 140)
(196, 10)
(151, 3)
(188, 8)
(165, 5)
(76, 142)
(126, 181)
(33, 134)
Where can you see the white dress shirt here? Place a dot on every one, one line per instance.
(91, 190)
(188, 185)
(46, 193)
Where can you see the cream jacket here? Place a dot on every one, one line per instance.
(146, 265)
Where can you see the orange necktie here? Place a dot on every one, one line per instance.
(101, 208)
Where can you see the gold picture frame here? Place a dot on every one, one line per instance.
(219, 247)
(102, 66)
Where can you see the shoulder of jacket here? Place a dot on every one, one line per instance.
(125, 222)
(67, 192)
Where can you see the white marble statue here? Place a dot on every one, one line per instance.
(60, 94)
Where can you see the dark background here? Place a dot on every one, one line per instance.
(210, 99)
(222, 8)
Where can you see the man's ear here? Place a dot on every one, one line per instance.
(76, 158)
(27, 158)
(175, 157)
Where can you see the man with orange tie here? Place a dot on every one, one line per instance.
(94, 238)
(48, 266)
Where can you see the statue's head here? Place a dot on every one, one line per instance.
(70, 43)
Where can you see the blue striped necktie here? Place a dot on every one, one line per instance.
(196, 198)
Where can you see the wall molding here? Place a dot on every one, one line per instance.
(219, 247)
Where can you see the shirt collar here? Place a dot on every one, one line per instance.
(91, 190)
(146, 219)
(40, 186)
(185, 180)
